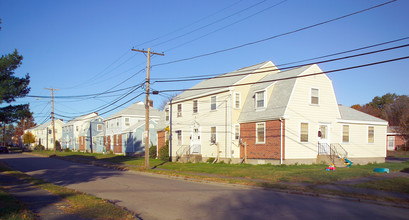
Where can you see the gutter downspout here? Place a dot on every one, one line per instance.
(281, 140)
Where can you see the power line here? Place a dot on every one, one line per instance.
(204, 26)
(287, 78)
(290, 67)
(226, 26)
(184, 27)
(275, 36)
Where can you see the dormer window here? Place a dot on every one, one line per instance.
(260, 99)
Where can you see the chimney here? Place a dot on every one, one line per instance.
(151, 103)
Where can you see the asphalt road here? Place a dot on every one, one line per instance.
(155, 197)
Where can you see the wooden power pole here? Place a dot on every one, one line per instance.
(148, 65)
(52, 114)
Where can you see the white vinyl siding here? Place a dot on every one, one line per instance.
(260, 133)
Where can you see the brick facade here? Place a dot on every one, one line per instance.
(118, 143)
(161, 139)
(271, 149)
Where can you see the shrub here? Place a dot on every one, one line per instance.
(57, 146)
(152, 151)
(67, 150)
(210, 160)
(164, 152)
(39, 147)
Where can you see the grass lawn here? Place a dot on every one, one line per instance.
(398, 184)
(10, 208)
(314, 174)
(87, 206)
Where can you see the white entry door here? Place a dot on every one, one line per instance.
(195, 146)
(324, 139)
(391, 142)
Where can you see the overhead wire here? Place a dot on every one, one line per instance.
(226, 26)
(287, 78)
(275, 36)
(268, 69)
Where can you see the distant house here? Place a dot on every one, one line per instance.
(78, 132)
(272, 116)
(43, 133)
(395, 138)
(123, 129)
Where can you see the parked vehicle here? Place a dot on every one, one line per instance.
(4, 149)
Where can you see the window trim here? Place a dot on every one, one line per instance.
(215, 134)
(373, 141)
(308, 132)
(235, 133)
(264, 133)
(179, 142)
(197, 106)
(179, 111)
(211, 103)
(349, 134)
(264, 99)
(237, 99)
(318, 97)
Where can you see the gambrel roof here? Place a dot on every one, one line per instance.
(219, 81)
(279, 98)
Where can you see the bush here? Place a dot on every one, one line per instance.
(57, 146)
(152, 151)
(164, 152)
(210, 160)
(39, 147)
(67, 150)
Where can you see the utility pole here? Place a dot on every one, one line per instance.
(148, 66)
(52, 114)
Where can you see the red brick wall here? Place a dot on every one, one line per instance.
(118, 146)
(271, 149)
(108, 143)
(161, 139)
(399, 140)
(82, 143)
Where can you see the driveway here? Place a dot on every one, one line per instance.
(159, 197)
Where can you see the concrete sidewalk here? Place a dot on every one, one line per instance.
(44, 204)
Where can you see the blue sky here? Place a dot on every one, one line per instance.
(84, 47)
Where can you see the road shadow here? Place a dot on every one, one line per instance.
(266, 204)
(57, 171)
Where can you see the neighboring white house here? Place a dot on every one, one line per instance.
(117, 127)
(280, 116)
(43, 133)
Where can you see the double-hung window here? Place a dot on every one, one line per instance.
(304, 132)
(345, 133)
(179, 136)
(127, 123)
(236, 132)
(213, 103)
(237, 100)
(195, 107)
(179, 114)
(260, 99)
(213, 136)
(371, 134)
(315, 96)
(260, 133)
(167, 114)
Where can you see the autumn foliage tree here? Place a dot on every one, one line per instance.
(391, 107)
